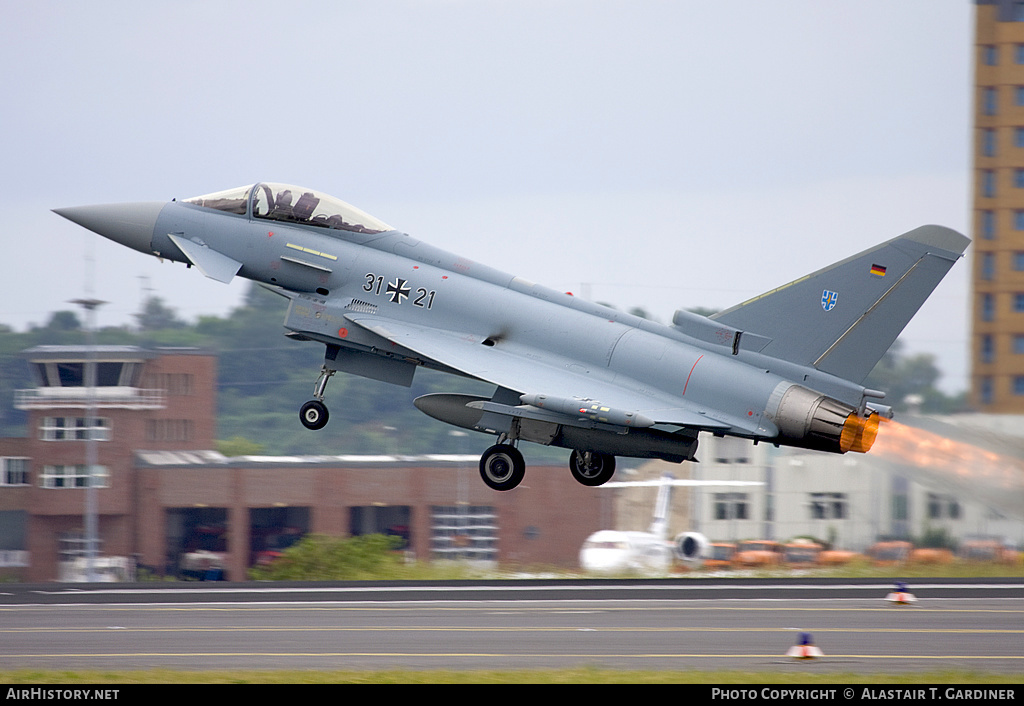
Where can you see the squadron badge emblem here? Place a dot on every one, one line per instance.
(828, 300)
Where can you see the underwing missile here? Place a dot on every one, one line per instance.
(587, 408)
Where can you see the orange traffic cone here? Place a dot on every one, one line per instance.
(805, 648)
(901, 596)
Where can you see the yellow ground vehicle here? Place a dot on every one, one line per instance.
(720, 555)
(757, 553)
(929, 555)
(836, 557)
(801, 554)
(889, 553)
(989, 550)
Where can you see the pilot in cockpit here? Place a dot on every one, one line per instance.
(282, 206)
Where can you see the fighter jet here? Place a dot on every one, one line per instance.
(785, 367)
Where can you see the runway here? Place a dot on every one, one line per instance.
(746, 625)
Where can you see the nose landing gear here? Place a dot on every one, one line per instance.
(314, 413)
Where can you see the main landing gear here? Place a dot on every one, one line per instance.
(502, 466)
(314, 413)
(591, 468)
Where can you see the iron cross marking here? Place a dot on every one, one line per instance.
(397, 290)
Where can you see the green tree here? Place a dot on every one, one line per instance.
(641, 312)
(702, 311)
(902, 376)
(319, 557)
(61, 322)
(239, 446)
(157, 316)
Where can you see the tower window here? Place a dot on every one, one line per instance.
(988, 183)
(988, 225)
(990, 100)
(988, 142)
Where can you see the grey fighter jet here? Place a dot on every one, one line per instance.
(785, 367)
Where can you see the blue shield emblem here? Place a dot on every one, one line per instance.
(828, 300)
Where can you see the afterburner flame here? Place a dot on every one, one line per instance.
(923, 448)
(859, 433)
(994, 477)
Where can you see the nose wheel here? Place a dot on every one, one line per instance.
(314, 413)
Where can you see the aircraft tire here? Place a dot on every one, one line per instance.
(502, 467)
(314, 415)
(598, 472)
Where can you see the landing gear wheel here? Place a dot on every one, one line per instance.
(502, 467)
(591, 468)
(314, 414)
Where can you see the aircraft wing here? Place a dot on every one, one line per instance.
(530, 371)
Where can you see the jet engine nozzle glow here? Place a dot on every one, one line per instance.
(811, 420)
(859, 433)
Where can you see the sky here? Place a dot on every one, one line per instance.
(661, 154)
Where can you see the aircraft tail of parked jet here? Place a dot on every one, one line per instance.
(843, 318)
(659, 523)
(615, 550)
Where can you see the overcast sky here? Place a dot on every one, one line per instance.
(660, 154)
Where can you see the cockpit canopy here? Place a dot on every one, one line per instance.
(292, 204)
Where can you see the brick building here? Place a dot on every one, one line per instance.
(164, 496)
(997, 276)
(437, 504)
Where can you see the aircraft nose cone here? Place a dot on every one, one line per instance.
(130, 224)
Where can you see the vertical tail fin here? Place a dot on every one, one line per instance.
(843, 318)
(659, 524)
